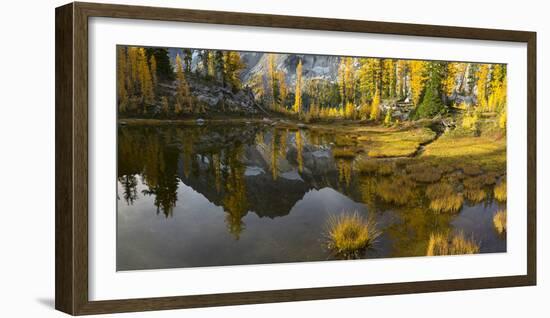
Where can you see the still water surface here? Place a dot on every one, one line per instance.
(217, 194)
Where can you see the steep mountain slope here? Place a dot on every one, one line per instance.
(313, 66)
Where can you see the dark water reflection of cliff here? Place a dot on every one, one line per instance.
(248, 194)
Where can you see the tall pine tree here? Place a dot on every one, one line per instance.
(432, 103)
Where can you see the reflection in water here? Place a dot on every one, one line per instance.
(248, 194)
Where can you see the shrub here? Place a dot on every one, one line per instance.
(351, 233)
(458, 244)
(470, 121)
(462, 105)
(499, 221)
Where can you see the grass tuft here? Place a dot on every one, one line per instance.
(489, 178)
(443, 198)
(499, 221)
(458, 244)
(475, 195)
(500, 191)
(351, 233)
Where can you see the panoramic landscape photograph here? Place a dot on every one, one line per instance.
(240, 158)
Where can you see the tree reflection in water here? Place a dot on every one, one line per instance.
(268, 170)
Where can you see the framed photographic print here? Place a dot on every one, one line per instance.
(218, 158)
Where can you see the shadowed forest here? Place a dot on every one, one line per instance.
(229, 158)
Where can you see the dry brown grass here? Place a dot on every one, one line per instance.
(499, 221)
(458, 244)
(500, 191)
(349, 233)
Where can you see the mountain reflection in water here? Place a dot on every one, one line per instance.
(226, 194)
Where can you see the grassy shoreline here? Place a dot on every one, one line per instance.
(457, 147)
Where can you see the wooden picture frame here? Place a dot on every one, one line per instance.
(71, 221)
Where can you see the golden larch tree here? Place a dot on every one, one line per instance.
(481, 85)
(402, 72)
(299, 151)
(497, 85)
(375, 106)
(298, 95)
(183, 94)
(122, 74)
(283, 88)
(418, 79)
(271, 80)
(145, 78)
(232, 69)
(153, 67)
(449, 82)
(388, 77)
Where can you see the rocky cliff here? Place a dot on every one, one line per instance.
(313, 66)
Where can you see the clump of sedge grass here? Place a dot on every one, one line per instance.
(500, 191)
(499, 221)
(475, 195)
(478, 181)
(350, 233)
(443, 198)
(473, 190)
(457, 244)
